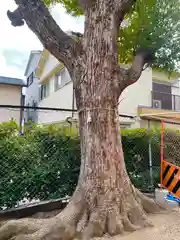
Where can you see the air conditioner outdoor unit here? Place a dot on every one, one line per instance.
(157, 104)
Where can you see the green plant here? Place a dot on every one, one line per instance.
(136, 153)
(44, 162)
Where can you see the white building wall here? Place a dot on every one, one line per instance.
(61, 98)
(133, 96)
(175, 91)
(33, 63)
(32, 91)
(50, 64)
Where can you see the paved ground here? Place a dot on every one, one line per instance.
(167, 227)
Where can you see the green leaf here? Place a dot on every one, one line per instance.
(153, 24)
(72, 7)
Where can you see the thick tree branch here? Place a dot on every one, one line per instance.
(40, 21)
(84, 4)
(131, 75)
(123, 7)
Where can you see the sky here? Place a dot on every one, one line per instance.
(17, 42)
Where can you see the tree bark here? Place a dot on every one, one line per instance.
(104, 201)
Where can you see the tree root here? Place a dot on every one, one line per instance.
(78, 220)
(149, 205)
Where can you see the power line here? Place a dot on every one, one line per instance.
(52, 109)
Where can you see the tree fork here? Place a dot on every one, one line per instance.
(131, 75)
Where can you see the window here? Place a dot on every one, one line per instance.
(30, 79)
(31, 112)
(34, 103)
(58, 82)
(44, 91)
(61, 79)
(125, 126)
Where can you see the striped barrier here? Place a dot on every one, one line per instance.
(170, 177)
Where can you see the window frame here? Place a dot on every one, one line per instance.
(30, 79)
(44, 90)
(64, 81)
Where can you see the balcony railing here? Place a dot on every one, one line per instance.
(165, 101)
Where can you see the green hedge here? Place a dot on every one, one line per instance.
(44, 162)
(136, 153)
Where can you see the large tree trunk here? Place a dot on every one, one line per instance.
(104, 201)
(112, 204)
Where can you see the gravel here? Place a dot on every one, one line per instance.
(166, 227)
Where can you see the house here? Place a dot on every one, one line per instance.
(165, 101)
(152, 94)
(11, 95)
(32, 89)
(154, 91)
(134, 95)
(56, 90)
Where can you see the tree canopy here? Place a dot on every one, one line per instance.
(151, 24)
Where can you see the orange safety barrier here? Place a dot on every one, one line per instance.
(170, 177)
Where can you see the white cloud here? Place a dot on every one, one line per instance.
(23, 40)
(18, 38)
(9, 71)
(66, 21)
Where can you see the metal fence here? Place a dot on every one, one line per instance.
(170, 144)
(40, 154)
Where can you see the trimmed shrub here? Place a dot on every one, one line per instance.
(136, 153)
(44, 162)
